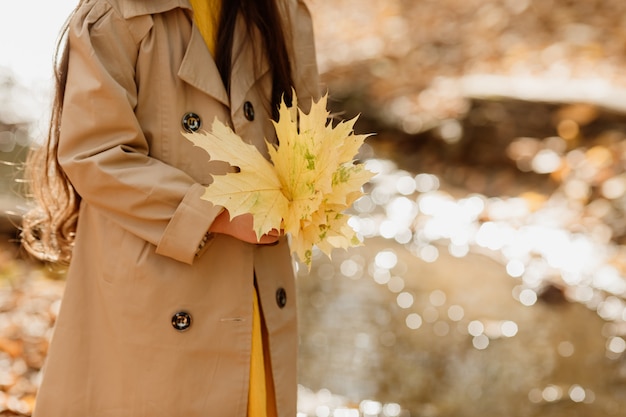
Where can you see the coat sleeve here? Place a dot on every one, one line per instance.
(103, 150)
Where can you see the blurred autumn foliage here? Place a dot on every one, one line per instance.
(397, 55)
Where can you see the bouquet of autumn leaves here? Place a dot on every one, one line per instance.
(311, 180)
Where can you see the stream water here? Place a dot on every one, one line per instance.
(467, 304)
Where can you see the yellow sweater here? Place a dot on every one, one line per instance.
(206, 16)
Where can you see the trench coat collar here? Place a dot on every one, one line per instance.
(249, 63)
(198, 67)
(134, 8)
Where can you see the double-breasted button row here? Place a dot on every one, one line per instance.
(192, 122)
(181, 320)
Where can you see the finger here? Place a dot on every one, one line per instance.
(267, 239)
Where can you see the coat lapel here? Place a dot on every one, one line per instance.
(199, 69)
(249, 63)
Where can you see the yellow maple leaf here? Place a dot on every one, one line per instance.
(255, 189)
(311, 179)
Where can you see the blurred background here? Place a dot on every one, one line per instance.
(491, 281)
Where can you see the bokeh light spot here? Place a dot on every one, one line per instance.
(386, 259)
(480, 342)
(413, 321)
(404, 300)
(456, 313)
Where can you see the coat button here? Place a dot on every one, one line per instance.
(191, 122)
(181, 321)
(248, 110)
(281, 297)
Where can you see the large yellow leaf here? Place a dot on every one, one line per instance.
(255, 189)
(310, 181)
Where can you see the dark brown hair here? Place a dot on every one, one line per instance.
(48, 229)
(265, 16)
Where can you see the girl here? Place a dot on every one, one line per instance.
(171, 308)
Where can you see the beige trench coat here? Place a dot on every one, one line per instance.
(137, 68)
